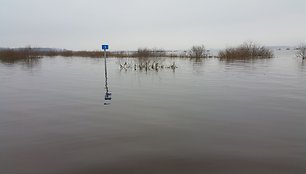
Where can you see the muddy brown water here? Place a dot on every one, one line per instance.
(207, 116)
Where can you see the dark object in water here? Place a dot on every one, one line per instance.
(108, 98)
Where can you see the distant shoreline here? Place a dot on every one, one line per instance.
(244, 51)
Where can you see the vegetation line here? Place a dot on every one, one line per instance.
(247, 50)
(28, 52)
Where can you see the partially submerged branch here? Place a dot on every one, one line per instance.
(301, 51)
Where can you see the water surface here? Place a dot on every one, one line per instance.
(207, 116)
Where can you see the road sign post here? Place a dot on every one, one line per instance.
(108, 94)
(105, 47)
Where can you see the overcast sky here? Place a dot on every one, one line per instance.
(168, 24)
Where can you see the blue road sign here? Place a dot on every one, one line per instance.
(104, 47)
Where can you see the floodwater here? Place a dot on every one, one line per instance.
(207, 116)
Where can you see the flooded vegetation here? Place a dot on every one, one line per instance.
(301, 51)
(146, 64)
(198, 52)
(70, 115)
(28, 52)
(248, 50)
(148, 57)
(12, 55)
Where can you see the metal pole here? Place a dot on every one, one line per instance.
(105, 63)
(105, 68)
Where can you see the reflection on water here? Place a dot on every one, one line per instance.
(206, 117)
(245, 61)
(26, 62)
(197, 60)
(108, 94)
(302, 65)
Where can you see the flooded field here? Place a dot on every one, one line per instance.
(206, 116)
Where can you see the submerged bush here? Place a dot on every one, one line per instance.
(146, 52)
(197, 52)
(247, 50)
(301, 51)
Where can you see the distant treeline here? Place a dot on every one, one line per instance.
(248, 50)
(29, 52)
(24, 53)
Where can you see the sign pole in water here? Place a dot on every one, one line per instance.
(105, 47)
(108, 94)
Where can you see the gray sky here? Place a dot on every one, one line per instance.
(168, 24)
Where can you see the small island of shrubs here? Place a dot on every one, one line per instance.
(247, 50)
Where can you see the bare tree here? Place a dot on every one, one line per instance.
(197, 52)
(301, 51)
